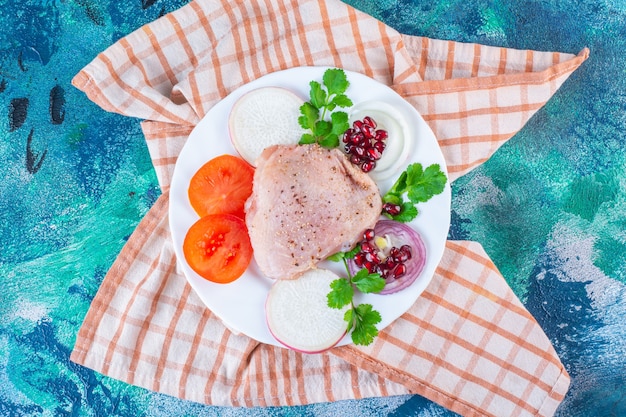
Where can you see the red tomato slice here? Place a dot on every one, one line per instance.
(218, 248)
(222, 185)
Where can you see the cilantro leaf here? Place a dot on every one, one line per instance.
(341, 294)
(423, 187)
(368, 283)
(318, 116)
(339, 122)
(342, 100)
(419, 185)
(365, 321)
(335, 80)
(307, 139)
(329, 141)
(308, 116)
(317, 94)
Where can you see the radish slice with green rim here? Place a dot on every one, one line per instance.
(298, 315)
(264, 117)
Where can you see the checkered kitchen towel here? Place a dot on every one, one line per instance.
(467, 342)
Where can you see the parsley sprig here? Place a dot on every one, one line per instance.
(362, 319)
(318, 116)
(419, 185)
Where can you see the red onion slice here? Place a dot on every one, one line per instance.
(400, 234)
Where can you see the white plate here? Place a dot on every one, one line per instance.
(240, 304)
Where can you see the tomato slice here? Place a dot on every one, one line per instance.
(222, 185)
(218, 248)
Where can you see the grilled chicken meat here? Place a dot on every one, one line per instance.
(307, 203)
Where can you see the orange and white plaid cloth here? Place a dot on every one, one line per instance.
(467, 343)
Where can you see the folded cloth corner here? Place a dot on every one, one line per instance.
(467, 343)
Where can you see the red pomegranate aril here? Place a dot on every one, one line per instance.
(359, 259)
(370, 266)
(367, 247)
(359, 150)
(373, 154)
(367, 166)
(392, 209)
(355, 159)
(399, 271)
(347, 135)
(368, 131)
(357, 139)
(369, 234)
(381, 134)
(406, 251)
(369, 121)
(357, 125)
(379, 146)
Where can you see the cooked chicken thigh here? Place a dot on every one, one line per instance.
(307, 203)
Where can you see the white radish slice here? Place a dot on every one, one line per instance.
(298, 315)
(264, 117)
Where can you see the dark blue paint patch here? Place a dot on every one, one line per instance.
(33, 159)
(73, 398)
(92, 11)
(57, 105)
(417, 403)
(12, 409)
(564, 312)
(33, 34)
(147, 3)
(18, 111)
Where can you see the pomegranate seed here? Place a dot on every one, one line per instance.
(357, 125)
(367, 247)
(368, 131)
(373, 154)
(369, 234)
(369, 121)
(359, 259)
(381, 135)
(359, 151)
(399, 271)
(355, 159)
(406, 251)
(392, 209)
(367, 166)
(370, 266)
(380, 146)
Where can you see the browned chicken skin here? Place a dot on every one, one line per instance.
(307, 203)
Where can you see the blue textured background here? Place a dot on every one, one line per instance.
(549, 207)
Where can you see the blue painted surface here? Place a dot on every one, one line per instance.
(548, 207)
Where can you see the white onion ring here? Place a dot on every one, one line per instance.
(401, 234)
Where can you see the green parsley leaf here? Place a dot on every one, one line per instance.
(322, 128)
(335, 81)
(365, 321)
(341, 100)
(341, 294)
(307, 139)
(317, 94)
(419, 185)
(339, 122)
(318, 116)
(329, 141)
(368, 283)
(309, 115)
(423, 187)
